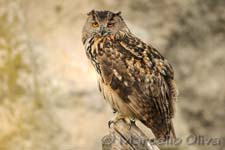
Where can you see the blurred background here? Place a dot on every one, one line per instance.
(48, 91)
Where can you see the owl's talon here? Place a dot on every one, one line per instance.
(132, 122)
(110, 122)
(114, 111)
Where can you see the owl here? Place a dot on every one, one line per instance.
(134, 78)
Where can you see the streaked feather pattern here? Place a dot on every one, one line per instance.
(135, 79)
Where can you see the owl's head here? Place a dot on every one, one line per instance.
(103, 23)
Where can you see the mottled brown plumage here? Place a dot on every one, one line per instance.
(136, 80)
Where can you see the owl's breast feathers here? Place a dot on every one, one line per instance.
(140, 76)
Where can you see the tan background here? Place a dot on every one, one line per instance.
(48, 91)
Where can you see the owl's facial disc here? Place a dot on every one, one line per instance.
(106, 28)
(104, 23)
(103, 28)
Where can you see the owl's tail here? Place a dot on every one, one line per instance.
(164, 133)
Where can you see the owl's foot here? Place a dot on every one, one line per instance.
(118, 117)
(128, 120)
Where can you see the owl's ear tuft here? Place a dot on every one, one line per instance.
(92, 12)
(118, 13)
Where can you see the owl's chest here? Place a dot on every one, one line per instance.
(101, 48)
(102, 52)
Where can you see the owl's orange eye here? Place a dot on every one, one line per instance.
(110, 25)
(94, 24)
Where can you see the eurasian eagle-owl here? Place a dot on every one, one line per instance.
(135, 79)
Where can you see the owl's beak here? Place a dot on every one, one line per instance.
(102, 30)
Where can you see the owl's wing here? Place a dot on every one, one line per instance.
(143, 79)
